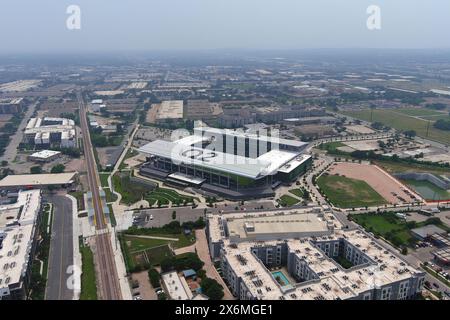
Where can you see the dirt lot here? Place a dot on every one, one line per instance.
(360, 129)
(383, 183)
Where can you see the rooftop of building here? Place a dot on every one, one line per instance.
(177, 287)
(250, 134)
(334, 282)
(17, 227)
(428, 230)
(14, 180)
(44, 154)
(252, 227)
(268, 163)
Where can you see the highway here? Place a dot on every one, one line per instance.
(107, 277)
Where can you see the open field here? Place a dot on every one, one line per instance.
(419, 112)
(392, 228)
(396, 118)
(349, 193)
(403, 167)
(386, 225)
(380, 181)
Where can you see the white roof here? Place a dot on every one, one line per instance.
(44, 154)
(177, 290)
(17, 221)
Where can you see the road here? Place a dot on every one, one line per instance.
(16, 139)
(61, 249)
(107, 277)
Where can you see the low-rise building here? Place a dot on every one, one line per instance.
(44, 156)
(35, 181)
(176, 287)
(46, 132)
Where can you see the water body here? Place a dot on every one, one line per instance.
(428, 190)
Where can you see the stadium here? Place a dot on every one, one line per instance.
(232, 164)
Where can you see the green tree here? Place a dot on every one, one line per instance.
(35, 170)
(154, 277)
(59, 168)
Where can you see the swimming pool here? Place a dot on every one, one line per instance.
(283, 278)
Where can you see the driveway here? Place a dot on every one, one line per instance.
(201, 245)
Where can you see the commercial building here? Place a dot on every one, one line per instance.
(305, 254)
(44, 156)
(33, 181)
(11, 106)
(231, 163)
(47, 132)
(18, 232)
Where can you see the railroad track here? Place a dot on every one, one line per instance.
(108, 280)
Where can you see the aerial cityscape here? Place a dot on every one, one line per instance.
(271, 174)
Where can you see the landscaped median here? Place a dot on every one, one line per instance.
(88, 279)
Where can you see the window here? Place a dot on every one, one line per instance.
(386, 293)
(403, 290)
(367, 296)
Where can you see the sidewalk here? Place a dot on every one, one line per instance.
(76, 246)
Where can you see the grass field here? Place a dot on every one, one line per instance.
(287, 201)
(386, 225)
(163, 196)
(88, 282)
(419, 112)
(131, 192)
(402, 167)
(401, 121)
(349, 193)
(104, 179)
(144, 252)
(297, 192)
(331, 146)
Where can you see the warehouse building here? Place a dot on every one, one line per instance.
(233, 164)
(18, 238)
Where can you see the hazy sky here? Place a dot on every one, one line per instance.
(110, 25)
